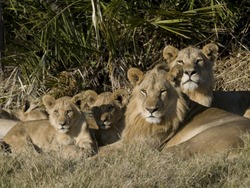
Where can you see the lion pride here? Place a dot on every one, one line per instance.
(159, 111)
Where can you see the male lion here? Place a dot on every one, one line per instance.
(198, 80)
(65, 131)
(158, 110)
(108, 111)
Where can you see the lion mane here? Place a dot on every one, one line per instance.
(184, 127)
(156, 108)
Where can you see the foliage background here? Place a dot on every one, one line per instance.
(66, 46)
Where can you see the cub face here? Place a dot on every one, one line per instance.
(108, 109)
(62, 112)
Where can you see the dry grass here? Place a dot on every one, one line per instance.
(135, 166)
(233, 73)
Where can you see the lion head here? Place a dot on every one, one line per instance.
(63, 113)
(156, 107)
(109, 108)
(198, 79)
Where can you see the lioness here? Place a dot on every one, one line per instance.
(198, 80)
(65, 131)
(158, 110)
(108, 112)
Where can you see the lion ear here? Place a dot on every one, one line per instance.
(135, 76)
(91, 97)
(121, 96)
(162, 67)
(77, 99)
(48, 101)
(85, 99)
(170, 53)
(175, 75)
(211, 51)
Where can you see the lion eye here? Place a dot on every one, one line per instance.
(163, 92)
(198, 61)
(56, 112)
(143, 92)
(180, 62)
(70, 112)
(95, 109)
(110, 108)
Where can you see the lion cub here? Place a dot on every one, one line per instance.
(66, 131)
(108, 111)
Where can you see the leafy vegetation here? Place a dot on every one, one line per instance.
(65, 46)
(95, 42)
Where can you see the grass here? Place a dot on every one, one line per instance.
(232, 72)
(134, 166)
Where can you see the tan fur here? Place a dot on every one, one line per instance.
(211, 131)
(28, 113)
(108, 111)
(198, 66)
(5, 126)
(198, 79)
(8, 118)
(247, 113)
(84, 100)
(66, 130)
(156, 108)
(181, 131)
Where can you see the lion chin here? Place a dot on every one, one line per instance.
(189, 86)
(153, 120)
(63, 130)
(105, 126)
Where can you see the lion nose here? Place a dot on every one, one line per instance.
(62, 123)
(152, 110)
(104, 118)
(190, 73)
